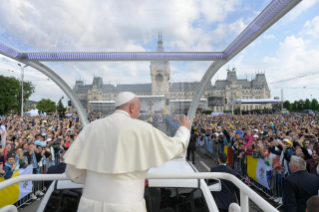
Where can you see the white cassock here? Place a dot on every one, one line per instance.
(112, 156)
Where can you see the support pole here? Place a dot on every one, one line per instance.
(282, 100)
(22, 75)
(64, 86)
(244, 202)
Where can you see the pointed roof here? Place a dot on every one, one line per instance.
(160, 47)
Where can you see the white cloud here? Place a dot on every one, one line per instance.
(300, 8)
(216, 10)
(271, 36)
(311, 28)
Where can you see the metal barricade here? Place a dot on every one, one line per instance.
(240, 163)
(37, 187)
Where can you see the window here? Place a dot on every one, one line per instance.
(175, 199)
(64, 200)
(170, 199)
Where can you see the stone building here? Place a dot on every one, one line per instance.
(161, 95)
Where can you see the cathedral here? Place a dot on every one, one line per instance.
(165, 97)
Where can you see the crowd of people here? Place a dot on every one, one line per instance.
(286, 142)
(38, 141)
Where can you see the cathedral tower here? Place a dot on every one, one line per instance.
(160, 72)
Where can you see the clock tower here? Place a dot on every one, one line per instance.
(160, 72)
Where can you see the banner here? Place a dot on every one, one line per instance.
(201, 142)
(257, 170)
(15, 192)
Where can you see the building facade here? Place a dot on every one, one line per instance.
(163, 96)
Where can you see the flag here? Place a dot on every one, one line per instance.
(226, 151)
(15, 192)
(230, 155)
(257, 170)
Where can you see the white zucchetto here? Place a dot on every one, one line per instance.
(123, 98)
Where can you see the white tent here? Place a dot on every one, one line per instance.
(31, 113)
(217, 113)
(256, 101)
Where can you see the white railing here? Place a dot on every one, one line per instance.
(245, 191)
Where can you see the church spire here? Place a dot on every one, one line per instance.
(160, 47)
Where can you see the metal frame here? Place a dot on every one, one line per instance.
(245, 191)
(218, 64)
(270, 15)
(64, 86)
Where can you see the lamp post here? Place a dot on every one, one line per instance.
(22, 75)
(60, 114)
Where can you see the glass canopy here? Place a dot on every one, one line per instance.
(160, 50)
(124, 25)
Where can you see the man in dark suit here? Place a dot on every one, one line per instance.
(192, 146)
(56, 169)
(226, 196)
(299, 186)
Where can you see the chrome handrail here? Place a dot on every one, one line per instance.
(245, 191)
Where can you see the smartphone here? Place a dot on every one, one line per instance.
(0, 146)
(1, 165)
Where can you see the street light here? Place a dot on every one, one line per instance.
(60, 114)
(22, 75)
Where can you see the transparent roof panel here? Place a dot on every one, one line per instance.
(124, 25)
(163, 87)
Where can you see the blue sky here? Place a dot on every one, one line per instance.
(289, 48)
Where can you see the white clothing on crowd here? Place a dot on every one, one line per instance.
(112, 156)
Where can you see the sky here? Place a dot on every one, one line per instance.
(290, 48)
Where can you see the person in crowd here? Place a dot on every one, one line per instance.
(128, 149)
(313, 204)
(299, 186)
(192, 146)
(226, 196)
(56, 169)
(10, 166)
(312, 164)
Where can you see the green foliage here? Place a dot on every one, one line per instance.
(287, 105)
(10, 93)
(307, 104)
(208, 112)
(46, 105)
(314, 104)
(60, 107)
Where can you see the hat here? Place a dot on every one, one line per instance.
(123, 98)
(49, 139)
(11, 155)
(287, 141)
(256, 136)
(255, 130)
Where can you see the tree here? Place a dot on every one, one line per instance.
(60, 107)
(10, 93)
(307, 104)
(301, 104)
(314, 104)
(46, 105)
(287, 105)
(295, 105)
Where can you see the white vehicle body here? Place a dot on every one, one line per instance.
(173, 166)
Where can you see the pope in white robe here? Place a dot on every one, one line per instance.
(111, 157)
